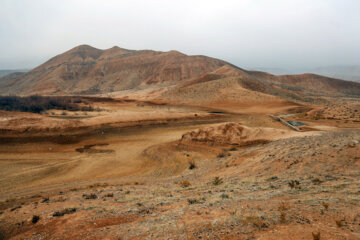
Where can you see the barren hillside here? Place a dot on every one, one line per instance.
(87, 70)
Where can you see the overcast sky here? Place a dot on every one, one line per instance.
(247, 33)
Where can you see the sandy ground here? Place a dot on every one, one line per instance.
(123, 173)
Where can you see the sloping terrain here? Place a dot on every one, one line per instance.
(232, 86)
(292, 188)
(172, 75)
(88, 70)
(16, 71)
(311, 84)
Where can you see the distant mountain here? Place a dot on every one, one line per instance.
(275, 71)
(351, 73)
(172, 75)
(6, 72)
(87, 70)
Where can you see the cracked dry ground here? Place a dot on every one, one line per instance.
(295, 188)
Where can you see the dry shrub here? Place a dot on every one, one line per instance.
(294, 184)
(325, 205)
(339, 222)
(316, 235)
(90, 196)
(192, 201)
(217, 181)
(64, 212)
(185, 184)
(35, 219)
(282, 216)
(192, 164)
(316, 181)
(224, 196)
(98, 185)
(283, 207)
(257, 222)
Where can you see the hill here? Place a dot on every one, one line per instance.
(229, 87)
(87, 70)
(351, 73)
(7, 72)
(170, 76)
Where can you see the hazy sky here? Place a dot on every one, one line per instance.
(248, 33)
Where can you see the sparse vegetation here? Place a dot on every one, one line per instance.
(185, 184)
(193, 201)
(339, 223)
(294, 184)
(14, 208)
(38, 104)
(192, 164)
(64, 212)
(35, 219)
(282, 216)
(316, 181)
(97, 185)
(217, 181)
(283, 207)
(241, 200)
(316, 235)
(90, 196)
(257, 222)
(224, 196)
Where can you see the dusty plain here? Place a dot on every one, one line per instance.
(141, 170)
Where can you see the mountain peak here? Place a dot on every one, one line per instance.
(83, 47)
(114, 48)
(176, 53)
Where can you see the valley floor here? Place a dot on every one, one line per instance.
(139, 181)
